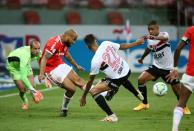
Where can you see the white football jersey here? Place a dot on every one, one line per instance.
(162, 52)
(107, 60)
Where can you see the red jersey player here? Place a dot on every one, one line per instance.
(187, 78)
(56, 71)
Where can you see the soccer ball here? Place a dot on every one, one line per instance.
(160, 89)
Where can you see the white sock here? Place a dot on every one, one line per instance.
(66, 101)
(104, 93)
(178, 113)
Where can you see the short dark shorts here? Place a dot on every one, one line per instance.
(156, 72)
(116, 83)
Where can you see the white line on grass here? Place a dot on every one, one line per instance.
(16, 94)
(43, 90)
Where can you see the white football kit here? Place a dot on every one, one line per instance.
(107, 60)
(162, 52)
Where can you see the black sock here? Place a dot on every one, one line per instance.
(128, 85)
(142, 88)
(102, 103)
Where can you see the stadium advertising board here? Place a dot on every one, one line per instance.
(14, 36)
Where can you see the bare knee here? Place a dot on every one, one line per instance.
(80, 82)
(95, 91)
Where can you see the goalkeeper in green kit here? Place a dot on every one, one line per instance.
(18, 64)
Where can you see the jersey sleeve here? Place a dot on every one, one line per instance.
(165, 34)
(116, 46)
(95, 68)
(186, 35)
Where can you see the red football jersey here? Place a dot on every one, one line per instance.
(55, 47)
(189, 36)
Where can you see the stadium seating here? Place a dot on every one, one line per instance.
(73, 17)
(95, 4)
(31, 17)
(115, 18)
(13, 4)
(55, 4)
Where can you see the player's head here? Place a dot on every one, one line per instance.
(34, 47)
(90, 40)
(153, 28)
(69, 37)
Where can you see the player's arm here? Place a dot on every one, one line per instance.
(72, 61)
(43, 61)
(125, 46)
(174, 73)
(163, 37)
(87, 88)
(146, 52)
(178, 52)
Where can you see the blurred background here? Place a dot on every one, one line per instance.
(115, 20)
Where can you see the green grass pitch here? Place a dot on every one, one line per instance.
(45, 115)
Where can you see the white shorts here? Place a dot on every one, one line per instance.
(57, 75)
(188, 82)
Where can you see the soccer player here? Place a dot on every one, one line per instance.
(58, 72)
(116, 69)
(162, 64)
(187, 81)
(18, 64)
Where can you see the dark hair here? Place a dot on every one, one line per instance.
(153, 22)
(89, 39)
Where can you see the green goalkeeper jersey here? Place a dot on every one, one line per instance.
(24, 54)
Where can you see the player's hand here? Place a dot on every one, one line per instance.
(82, 101)
(140, 61)
(173, 75)
(48, 83)
(41, 77)
(79, 68)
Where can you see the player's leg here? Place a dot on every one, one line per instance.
(100, 100)
(22, 92)
(176, 89)
(179, 109)
(176, 86)
(129, 86)
(142, 79)
(13, 68)
(70, 90)
(60, 77)
(78, 81)
(187, 87)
